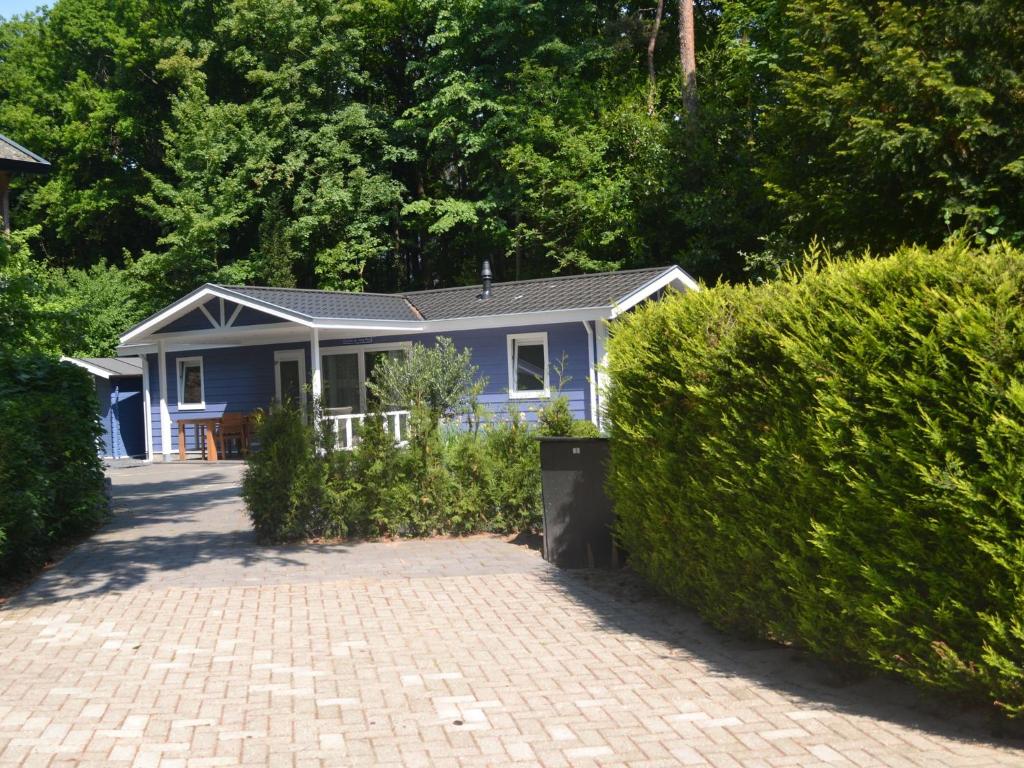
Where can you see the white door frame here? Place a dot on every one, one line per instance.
(299, 356)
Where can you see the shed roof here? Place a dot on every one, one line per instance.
(105, 367)
(14, 157)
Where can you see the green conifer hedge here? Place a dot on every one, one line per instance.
(837, 461)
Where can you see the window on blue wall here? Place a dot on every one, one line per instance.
(528, 365)
(190, 384)
(345, 376)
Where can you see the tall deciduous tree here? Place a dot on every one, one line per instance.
(894, 122)
(652, 46)
(688, 56)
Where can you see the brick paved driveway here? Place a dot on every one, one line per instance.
(170, 639)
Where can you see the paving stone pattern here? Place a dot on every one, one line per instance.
(172, 639)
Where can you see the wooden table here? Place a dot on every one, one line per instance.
(209, 426)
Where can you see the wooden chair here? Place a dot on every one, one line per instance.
(233, 426)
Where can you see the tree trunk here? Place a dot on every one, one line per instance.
(688, 56)
(652, 44)
(5, 203)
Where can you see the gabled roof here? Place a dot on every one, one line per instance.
(105, 367)
(590, 291)
(14, 157)
(598, 289)
(332, 305)
(522, 302)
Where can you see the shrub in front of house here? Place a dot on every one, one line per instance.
(461, 471)
(835, 461)
(445, 481)
(283, 484)
(51, 477)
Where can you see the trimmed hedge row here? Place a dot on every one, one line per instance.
(51, 477)
(837, 461)
(444, 481)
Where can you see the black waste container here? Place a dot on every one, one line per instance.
(578, 515)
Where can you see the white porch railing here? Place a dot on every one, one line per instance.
(345, 427)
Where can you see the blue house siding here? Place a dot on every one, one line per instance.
(235, 380)
(193, 321)
(250, 316)
(197, 321)
(241, 379)
(120, 407)
(489, 350)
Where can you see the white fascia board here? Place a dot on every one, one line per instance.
(517, 320)
(395, 326)
(226, 337)
(199, 297)
(257, 334)
(95, 370)
(263, 306)
(134, 350)
(674, 277)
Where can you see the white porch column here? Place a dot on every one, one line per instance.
(147, 404)
(602, 368)
(592, 373)
(314, 354)
(165, 414)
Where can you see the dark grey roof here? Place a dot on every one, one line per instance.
(598, 289)
(114, 366)
(332, 305)
(14, 157)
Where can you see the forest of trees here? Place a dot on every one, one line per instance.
(387, 144)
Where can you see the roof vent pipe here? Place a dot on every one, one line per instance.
(485, 278)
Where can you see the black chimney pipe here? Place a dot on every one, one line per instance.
(485, 278)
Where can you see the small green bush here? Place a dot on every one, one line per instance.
(51, 476)
(283, 481)
(438, 380)
(514, 492)
(835, 461)
(444, 481)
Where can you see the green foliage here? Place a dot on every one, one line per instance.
(513, 493)
(283, 481)
(386, 145)
(378, 484)
(900, 107)
(454, 482)
(834, 461)
(556, 420)
(439, 380)
(51, 478)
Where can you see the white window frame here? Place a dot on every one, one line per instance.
(287, 355)
(528, 338)
(180, 364)
(361, 349)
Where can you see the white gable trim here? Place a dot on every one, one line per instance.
(674, 277)
(197, 299)
(95, 370)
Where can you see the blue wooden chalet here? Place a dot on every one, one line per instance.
(226, 349)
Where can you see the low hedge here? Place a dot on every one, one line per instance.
(51, 477)
(447, 481)
(836, 460)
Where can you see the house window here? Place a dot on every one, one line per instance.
(191, 394)
(346, 373)
(528, 365)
